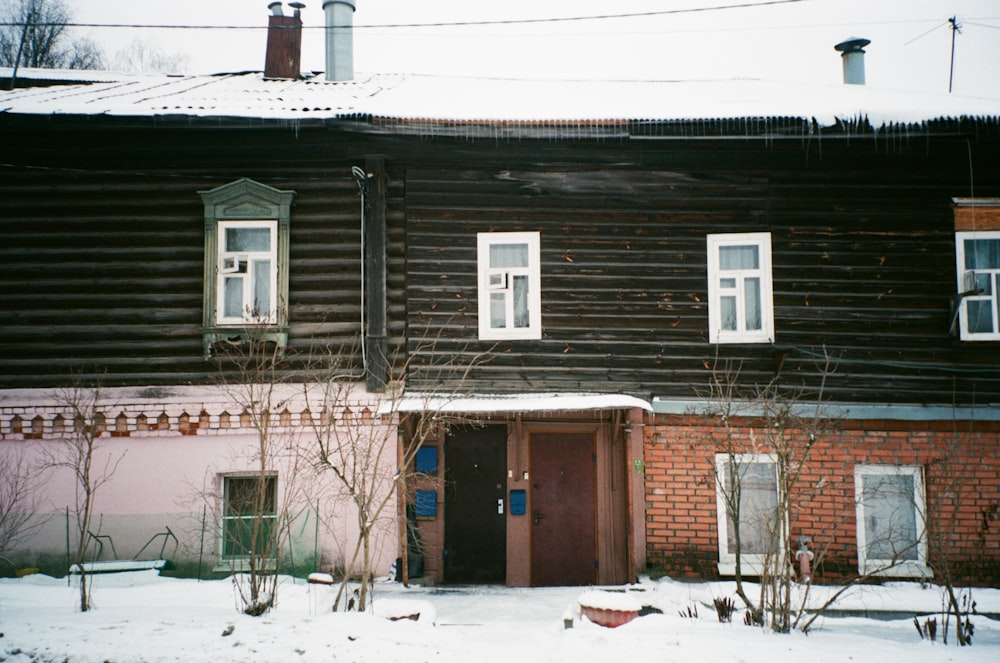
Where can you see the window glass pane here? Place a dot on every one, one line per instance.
(498, 310)
(727, 309)
(739, 257)
(248, 239)
(241, 536)
(521, 318)
(262, 288)
(239, 497)
(982, 254)
(752, 290)
(727, 283)
(979, 314)
(982, 281)
(758, 503)
(233, 297)
(233, 265)
(890, 516)
(508, 255)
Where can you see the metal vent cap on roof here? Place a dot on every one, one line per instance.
(853, 53)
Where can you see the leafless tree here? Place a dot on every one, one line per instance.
(954, 493)
(770, 435)
(85, 53)
(759, 472)
(260, 507)
(371, 454)
(20, 483)
(35, 33)
(144, 57)
(80, 451)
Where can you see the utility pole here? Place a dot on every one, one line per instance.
(20, 47)
(955, 29)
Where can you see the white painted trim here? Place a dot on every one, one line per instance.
(751, 563)
(271, 315)
(887, 567)
(533, 271)
(962, 286)
(715, 332)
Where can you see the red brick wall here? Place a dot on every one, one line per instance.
(961, 464)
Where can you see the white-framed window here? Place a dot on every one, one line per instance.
(740, 307)
(746, 491)
(243, 531)
(892, 538)
(510, 302)
(978, 268)
(247, 269)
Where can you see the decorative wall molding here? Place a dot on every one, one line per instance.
(171, 411)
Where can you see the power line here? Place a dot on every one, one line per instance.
(433, 24)
(924, 34)
(983, 25)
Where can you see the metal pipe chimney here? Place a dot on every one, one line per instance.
(339, 39)
(283, 56)
(853, 53)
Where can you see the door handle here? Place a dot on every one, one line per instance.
(536, 516)
(500, 506)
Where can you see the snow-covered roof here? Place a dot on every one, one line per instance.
(419, 98)
(66, 75)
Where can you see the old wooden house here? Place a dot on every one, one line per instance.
(631, 286)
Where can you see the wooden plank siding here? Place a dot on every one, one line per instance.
(863, 264)
(102, 259)
(103, 253)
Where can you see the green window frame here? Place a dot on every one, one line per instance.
(243, 532)
(245, 204)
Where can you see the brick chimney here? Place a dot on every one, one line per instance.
(284, 42)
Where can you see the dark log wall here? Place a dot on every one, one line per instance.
(863, 255)
(101, 263)
(103, 243)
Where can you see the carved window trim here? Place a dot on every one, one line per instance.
(244, 200)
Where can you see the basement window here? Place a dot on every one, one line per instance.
(249, 516)
(892, 540)
(750, 525)
(740, 308)
(246, 265)
(509, 286)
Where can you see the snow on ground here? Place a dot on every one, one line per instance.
(140, 616)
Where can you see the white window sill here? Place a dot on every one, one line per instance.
(519, 335)
(899, 570)
(241, 565)
(747, 569)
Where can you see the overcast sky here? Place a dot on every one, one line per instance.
(786, 40)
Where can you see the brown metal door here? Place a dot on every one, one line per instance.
(475, 532)
(563, 531)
